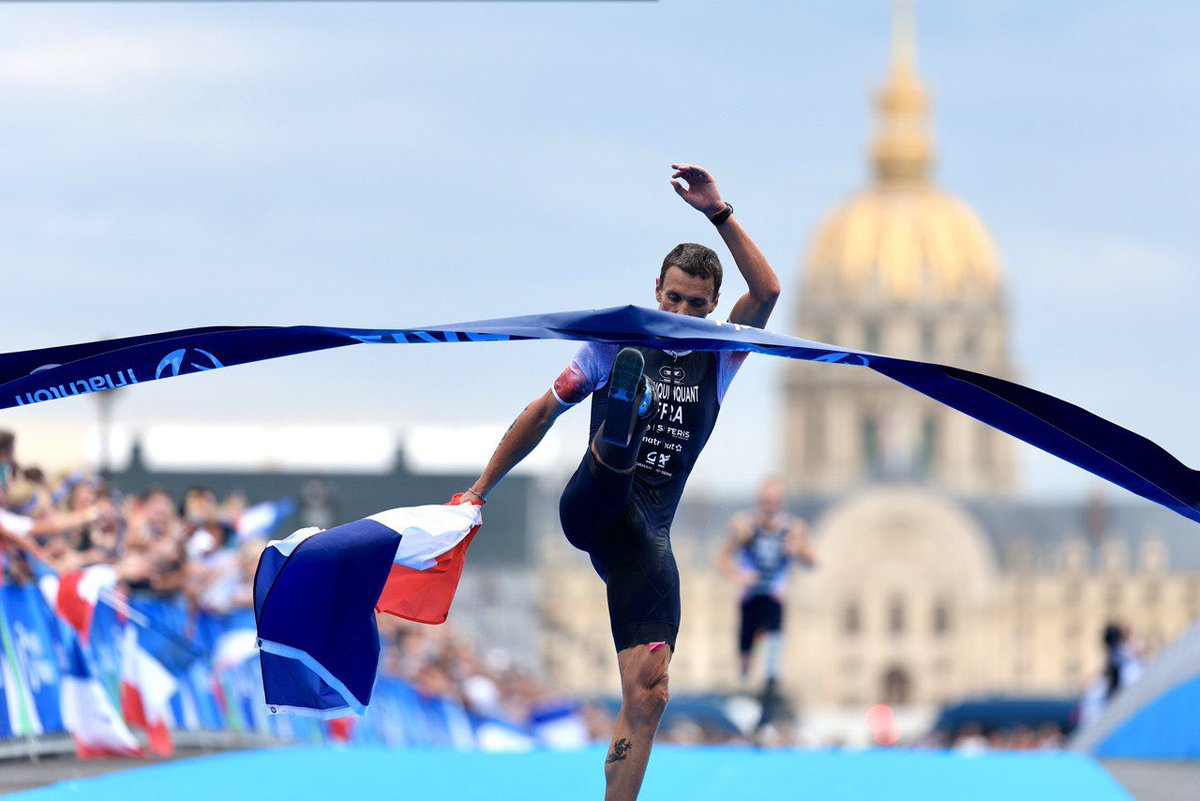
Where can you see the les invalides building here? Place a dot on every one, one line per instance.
(936, 580)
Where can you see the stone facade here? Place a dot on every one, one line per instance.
(935, 581)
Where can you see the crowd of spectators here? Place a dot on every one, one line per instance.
(158, 545)
(972, 738)
(192, 548)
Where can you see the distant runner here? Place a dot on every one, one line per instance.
(758, 554)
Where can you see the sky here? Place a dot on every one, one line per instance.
(171, 165)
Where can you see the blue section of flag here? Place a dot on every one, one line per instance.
(1058, 427)
(315, 610)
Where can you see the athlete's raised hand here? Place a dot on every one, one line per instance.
(701, 191)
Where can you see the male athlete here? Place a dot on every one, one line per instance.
(761, 546)
(652, 413)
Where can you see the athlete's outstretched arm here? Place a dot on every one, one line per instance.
(740, 532)
(755, 307)
(518, 442)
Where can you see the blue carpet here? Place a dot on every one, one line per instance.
(696, 774)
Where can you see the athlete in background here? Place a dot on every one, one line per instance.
(651, 414)
(758, 554)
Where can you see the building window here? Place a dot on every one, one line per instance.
(941, 619)
(984, 437)
(872, 337)
(897, 686)
(814, 433)
(870, 443)
(928, 338)
(851, 619)
(896, 617)
(929, 432)
(970, 345)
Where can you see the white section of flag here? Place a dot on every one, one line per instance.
(92, 720)
(427, 532)
(286, 546)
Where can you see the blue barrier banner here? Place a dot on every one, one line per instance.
(213, 659)
(36, 646)
(20, 718)
(1067, 431)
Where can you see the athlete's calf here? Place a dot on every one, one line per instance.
(644, 696)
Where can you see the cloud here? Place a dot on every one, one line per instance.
(106, 64)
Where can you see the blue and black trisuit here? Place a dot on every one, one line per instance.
(766, 555)
(623, 519)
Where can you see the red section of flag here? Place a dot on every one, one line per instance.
(424, 596)
(134, 711)
(340, 729)
(72, 606)
(89, 752)
(146, 690)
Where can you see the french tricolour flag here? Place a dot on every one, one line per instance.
(316, 592)
(146, 690)
(87, 711)
(74, 595)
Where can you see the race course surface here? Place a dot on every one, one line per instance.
(698, 774)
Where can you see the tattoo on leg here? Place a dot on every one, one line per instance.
(620, 750)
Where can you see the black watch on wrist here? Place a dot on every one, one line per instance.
(721, 216)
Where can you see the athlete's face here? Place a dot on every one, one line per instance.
(682, 293)
(770, 498)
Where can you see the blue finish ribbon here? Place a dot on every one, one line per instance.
(1063, 429)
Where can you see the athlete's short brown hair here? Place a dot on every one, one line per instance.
(694, 260)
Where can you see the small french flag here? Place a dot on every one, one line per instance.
(74, 595)
(146, 690)
(87, 712)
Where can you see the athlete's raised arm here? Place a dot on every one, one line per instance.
(798, 544)
(518, 442)
(755, 307)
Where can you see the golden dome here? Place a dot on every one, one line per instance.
(902, 239)
(902, 244)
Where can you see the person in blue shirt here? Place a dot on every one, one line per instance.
(762, 545)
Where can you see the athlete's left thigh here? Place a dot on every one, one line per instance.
(643, 588)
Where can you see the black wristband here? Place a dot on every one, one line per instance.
(721, 216)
